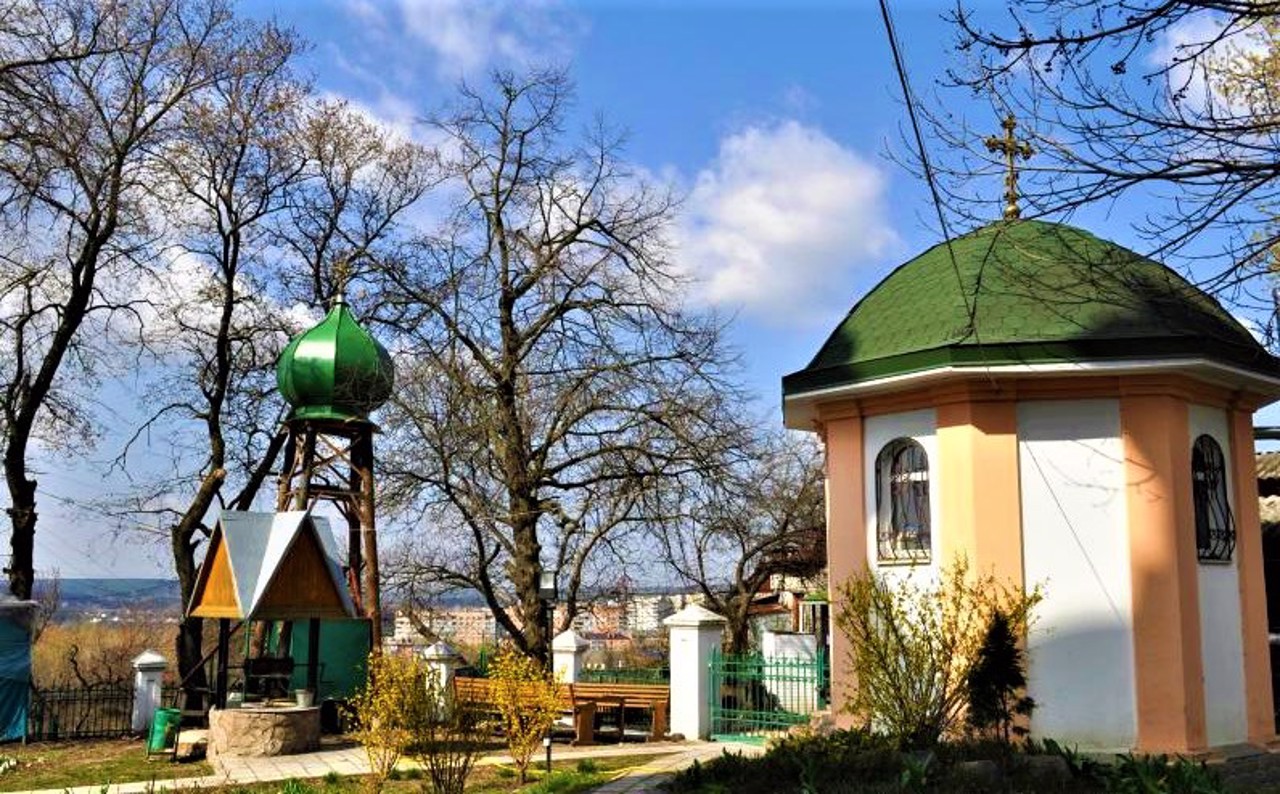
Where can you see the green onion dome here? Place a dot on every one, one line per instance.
(336, 370)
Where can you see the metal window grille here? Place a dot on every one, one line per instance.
(1215, 526)
(902, 496)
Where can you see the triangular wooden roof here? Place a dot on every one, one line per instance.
(270, 566)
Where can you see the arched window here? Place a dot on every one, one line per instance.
(1215, 527)
(902, 502)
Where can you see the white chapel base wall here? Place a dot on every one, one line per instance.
(1221, 637)
(1076, 544)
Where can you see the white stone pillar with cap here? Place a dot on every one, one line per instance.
(442, 662)
(148, 674)
(567, 650)
(696, 633)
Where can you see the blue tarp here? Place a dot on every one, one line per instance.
(15, 672)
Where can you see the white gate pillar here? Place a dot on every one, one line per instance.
(148, 672)
(695, 633)
(567, 650)
(442, 662)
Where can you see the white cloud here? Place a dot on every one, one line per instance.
(1178, 43)
(471, 35)
(391, 114)
(777, 223)
(1190, 48)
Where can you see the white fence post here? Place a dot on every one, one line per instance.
(567, 650)
(442, 662)
(148, 672)
(696, 633)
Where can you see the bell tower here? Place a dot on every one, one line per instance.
(333, 376)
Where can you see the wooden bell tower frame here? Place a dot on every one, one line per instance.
(331, 460)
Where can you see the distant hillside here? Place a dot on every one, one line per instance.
(80, 596)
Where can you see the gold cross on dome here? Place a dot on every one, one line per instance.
(1012, 149)
(341, 274)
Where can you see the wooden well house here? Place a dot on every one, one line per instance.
(269, 567)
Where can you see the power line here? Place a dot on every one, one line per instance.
(924, 156)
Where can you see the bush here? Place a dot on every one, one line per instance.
(912, 647)
(1157, 774)
(1139, 774)
(995, 683)
(526, 698)
(449, 737)
(88, 654)
(842, 761)
(858, 761)
(387, 711)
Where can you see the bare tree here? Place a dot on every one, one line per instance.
(48, 598)
(271, 187)
(37, 34)
(1124, 101)
(760, 517)
(77, 141)
(548, 376)
(214, 331)
(360, 181)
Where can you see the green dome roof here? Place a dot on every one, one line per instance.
(336, 370)
(1026, 292)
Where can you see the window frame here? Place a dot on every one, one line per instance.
(1215, 524)
(902, 492)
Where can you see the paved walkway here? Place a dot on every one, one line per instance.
(351, 760)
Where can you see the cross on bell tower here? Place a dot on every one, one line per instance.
(1012, 149)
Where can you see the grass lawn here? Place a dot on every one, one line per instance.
(91, 762)
(56, 765)
(567, 777)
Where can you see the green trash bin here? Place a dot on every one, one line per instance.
(164, 729)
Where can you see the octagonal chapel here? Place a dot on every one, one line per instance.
(1060, 410)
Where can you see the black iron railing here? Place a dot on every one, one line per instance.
(85, 712)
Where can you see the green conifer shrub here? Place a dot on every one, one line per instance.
(996, 683)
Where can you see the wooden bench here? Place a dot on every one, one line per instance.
(588, 698)
(477, 690)
(585, 700)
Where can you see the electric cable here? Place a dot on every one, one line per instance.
(900, 68)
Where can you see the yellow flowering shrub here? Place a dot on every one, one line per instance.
(450, 739)
(388, 709)
(912, 646)
(527, 698)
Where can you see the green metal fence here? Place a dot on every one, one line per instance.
(625, 675)
(753, 697)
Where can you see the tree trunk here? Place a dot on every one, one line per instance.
(22, 491)
(190, 651)
(525, 569)
(190, 642)
(22, 516)
(739, 633)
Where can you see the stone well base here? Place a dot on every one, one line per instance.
(263, 731)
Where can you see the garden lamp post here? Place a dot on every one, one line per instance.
(548, 594)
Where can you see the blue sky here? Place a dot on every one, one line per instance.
(775, 120)
(750, 108)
